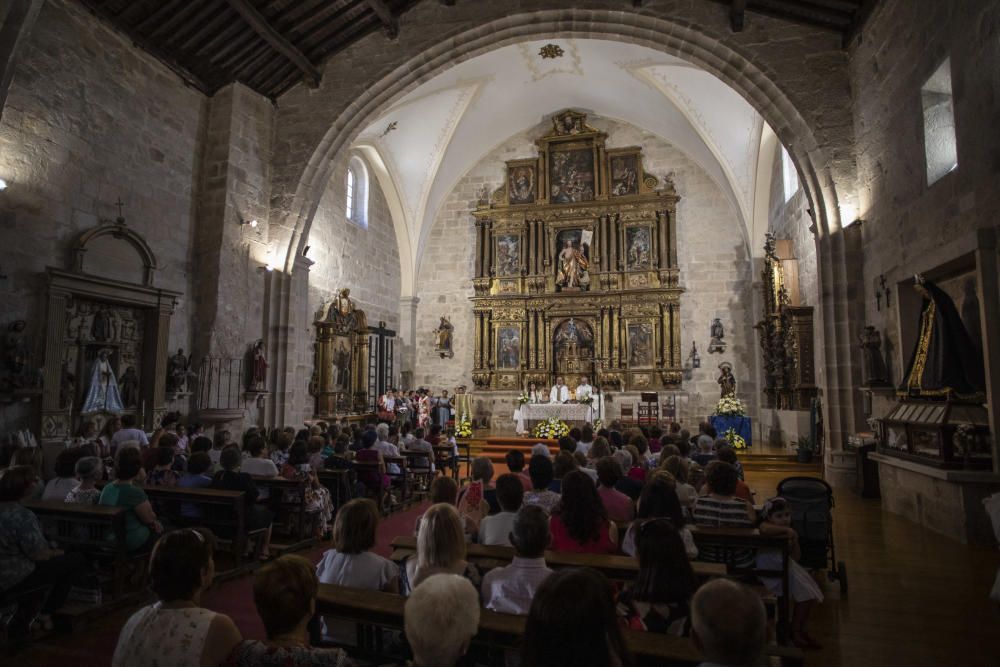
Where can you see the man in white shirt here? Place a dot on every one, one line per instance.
(128, 432)
(584, 390)
(559, 392)
(496, 529)
(510, 590)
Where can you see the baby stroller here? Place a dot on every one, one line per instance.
(811, 500)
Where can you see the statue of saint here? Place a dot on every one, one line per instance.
(259, 376)
(178, 371)
(100, 330)
(343, 302)
(444, 335)
(572, 266)
(129, 387)
(727, 383)
(717, 332)
(102, 394)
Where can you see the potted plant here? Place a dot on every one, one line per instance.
(804, 449)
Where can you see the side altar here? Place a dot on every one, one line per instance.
(576, 269)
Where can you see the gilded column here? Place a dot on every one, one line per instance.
(479, 248)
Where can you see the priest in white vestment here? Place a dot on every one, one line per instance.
(584, 390)
(559, 392)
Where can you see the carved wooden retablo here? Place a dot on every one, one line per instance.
(576, 268)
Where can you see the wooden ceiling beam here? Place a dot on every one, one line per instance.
(803, 12)
(169, 26)
(737, 15)
(204, 26)
(389, 20)
(861, 17)
(276, 40)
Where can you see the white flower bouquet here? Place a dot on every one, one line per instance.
(730, 406)
(551, 428)
(463, 429)
(734, 439)
(523, 398)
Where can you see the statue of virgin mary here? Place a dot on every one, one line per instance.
(102, 392)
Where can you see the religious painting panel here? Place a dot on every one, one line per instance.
(573, 347)
(624, 174)
(509, 347)
(340, 363)
(640, 345)
(573, 258)
(521, 183)
(638, 248)
(508, 255)
(571, 175)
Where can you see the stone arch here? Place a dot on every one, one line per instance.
(119, 232)
(683, 40)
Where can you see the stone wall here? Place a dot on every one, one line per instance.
(90, 118)
(789, 220)
(714, 263)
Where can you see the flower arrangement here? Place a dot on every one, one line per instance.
(463, 429)
(551, 428)
(523, 398)
(730, 406)
(734, 439)
(587, 400)
(598, 424)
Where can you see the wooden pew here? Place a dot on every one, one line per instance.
(86, 528)
(613, 567)
(504, 631)
(751, 538)
(276, 487)
(224, 512)
(338, 483)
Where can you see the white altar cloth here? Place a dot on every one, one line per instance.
(567, 412)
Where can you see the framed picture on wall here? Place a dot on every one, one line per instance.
(638, 248)
(508, 255)
(640, 345)
(625, 174)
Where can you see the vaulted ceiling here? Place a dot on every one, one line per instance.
(436, 134)
(272, 45)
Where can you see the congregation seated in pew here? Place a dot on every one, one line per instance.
(442, 616)
(142, 527)
(88, 471)
(232, 478)
(511, 589)
(496, 528)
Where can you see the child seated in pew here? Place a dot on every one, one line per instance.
(776, 519)
(511, 589)
(88, 470)
(659, 500)
(495, 529)
(659, 599)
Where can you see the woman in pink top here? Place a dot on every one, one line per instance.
(580, 523)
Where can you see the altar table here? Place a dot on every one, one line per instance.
(571, 413)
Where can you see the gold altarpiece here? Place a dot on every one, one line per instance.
(576, 269)
(340, 374)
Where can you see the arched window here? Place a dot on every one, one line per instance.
(356, 200)
(789, 177)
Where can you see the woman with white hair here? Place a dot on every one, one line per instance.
(88, 470)
(540, 449)
(440, 619)
(386, 448)
(440, 549)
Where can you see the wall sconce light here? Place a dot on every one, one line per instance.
(693, 357)
(252, 222)
(3, 185)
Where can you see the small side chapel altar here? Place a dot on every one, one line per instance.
(576, 270)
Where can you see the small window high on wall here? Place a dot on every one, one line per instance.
(939, 123)
(789, 177)
(356, 194)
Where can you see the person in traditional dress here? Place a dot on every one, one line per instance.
(559, 392)
(423, 408)
(259, 366)
(388, 406)
(442, 409)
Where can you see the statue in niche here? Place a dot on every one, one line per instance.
(67, 388)
(718, 332)
(874, 370)
(727, 382)
(16, 352)
(574, 260)
(74, 323)
(444, 334)
(178, 372)
(102, 394)
(100, 330)
(129, 387)
(343, 302)
(259, 376)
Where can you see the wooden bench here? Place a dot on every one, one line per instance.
(86, 528)
(622, 568)
(339, 483)
(224, 512)
(276, 487)
(751, 538)
(504, 631)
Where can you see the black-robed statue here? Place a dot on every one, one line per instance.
(945, 363)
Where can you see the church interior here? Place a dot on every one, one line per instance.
(454, 332)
